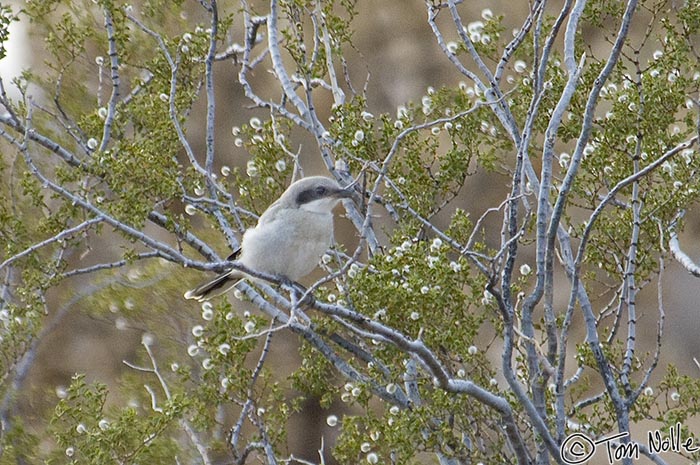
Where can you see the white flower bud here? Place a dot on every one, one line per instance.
(224, 348)
(192, 350)
(197, 330)
(255, 123)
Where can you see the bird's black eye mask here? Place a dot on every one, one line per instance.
(309, 195)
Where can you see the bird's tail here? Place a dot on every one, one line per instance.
(217, 286)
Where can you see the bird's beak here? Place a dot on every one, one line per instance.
(348, 193)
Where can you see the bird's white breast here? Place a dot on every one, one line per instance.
(290, 244)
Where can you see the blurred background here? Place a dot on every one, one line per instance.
(396, 58)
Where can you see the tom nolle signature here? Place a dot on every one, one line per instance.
(579, 448)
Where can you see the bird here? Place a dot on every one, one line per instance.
(289, 238)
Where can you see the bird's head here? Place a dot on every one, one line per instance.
(316, 194)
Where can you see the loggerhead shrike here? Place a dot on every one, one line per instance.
(290, 237)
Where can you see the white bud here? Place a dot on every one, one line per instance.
(394, 410)
(332, 420)
(365, 447)
(190, 209)
(103, 424)
(255, 123)
(197, 330)
(147, 339)
(207, 364)
(519, 66)
(207, 314)
(372, 458)
(564, 160)
(102, 112)
(192, 350)
(81, 429)
(164, 97)
(249, 327)
(472, 350)
(415, 315)
(92, 143)
(224, 348)
(648, 391)
(61, 392)
(487, 14)
(251, 169)
(525, 269)
(391, 388)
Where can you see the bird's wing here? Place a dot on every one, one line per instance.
(270, 214)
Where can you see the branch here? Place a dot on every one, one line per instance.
(57, 238)
(114, 74)
(681, 257)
